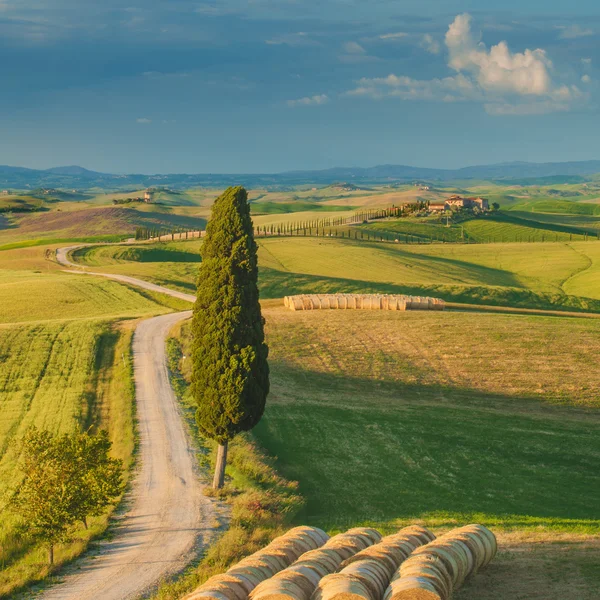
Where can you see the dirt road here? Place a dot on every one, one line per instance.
(62, 256)
(166, 515)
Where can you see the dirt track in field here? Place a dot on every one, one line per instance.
(166, 516)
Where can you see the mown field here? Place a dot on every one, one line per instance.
(59, 376)
(550, 275)
(444, 418)
(65, 362)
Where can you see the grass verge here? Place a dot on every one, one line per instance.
(262, 504)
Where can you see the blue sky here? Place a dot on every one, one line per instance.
(273, 85)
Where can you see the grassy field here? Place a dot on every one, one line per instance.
(58, 376)
(388, 418)
(550, 275)
(81, 220)
(64, 362)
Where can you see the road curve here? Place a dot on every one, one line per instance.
(62, 257)
(167, 517)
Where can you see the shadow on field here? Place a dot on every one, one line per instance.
(276, 284)
(366, 451)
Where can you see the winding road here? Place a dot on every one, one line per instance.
(166, 516)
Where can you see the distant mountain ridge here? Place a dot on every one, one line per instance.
(77, 177)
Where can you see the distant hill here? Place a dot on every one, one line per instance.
(78, 178)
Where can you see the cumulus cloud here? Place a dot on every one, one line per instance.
(309, 101)
(506, 82)
(143, 121)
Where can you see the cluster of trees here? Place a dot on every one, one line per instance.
(64, 479)
(127, 200)
(147, 233)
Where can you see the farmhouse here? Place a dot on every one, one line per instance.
(438, 206)
(148, 196)
(460, 202)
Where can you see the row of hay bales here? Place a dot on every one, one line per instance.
(241, 579)
(366, 575)
(299, 581)
(435, 571)
(360, 564)
(362, 302)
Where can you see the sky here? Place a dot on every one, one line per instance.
(264, 86)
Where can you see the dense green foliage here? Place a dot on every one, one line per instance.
(64, 479)
(231, 376)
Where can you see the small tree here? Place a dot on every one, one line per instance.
(99, 477)
(230, 379)
(64, 479)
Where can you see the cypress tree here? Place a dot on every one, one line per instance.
(230, 379)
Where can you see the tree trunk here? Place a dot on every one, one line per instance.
(51, 554)
(84, 520)
(219, 478)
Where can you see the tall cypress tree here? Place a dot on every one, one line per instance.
(230, 380)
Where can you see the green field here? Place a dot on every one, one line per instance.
(64, 362)
(550, 276)
(58, 376)
(388, 418)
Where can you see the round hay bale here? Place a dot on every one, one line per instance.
(450, 558)
(390, 556)
(412, 588)
(329, 557)
(476, 545)
(369, 532)
(250, 573)
(422, 533)
(233, 590)
(430, 567)
(346, 588)
(486, 534)
(279, 590)
(373, 575)
(212, 595)
(307, 571)
(234, 581)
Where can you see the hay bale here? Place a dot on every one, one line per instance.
(333, 587)
(413, 588)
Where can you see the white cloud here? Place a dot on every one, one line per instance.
(586, 79)
(143, 121)
(354, 48)
(572, 32)
(449, 89)
(430, 44)
(393, 36)
(295, 40)
(498, 69)
(309, 101)
(506, 82)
